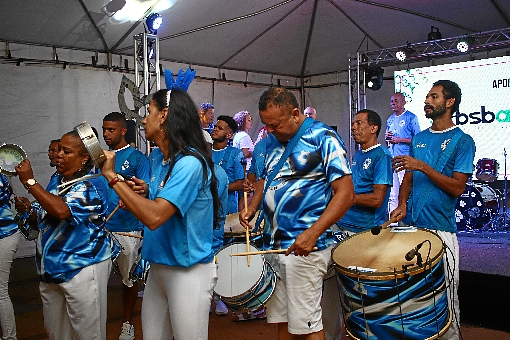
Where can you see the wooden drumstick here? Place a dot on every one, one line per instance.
(129, 235)
(113, 212)
(260, 252)
(377, 229)
(243, 163)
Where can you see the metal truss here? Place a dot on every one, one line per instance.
(147, 72)
(423, 51)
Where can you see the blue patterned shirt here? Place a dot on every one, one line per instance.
(65, 247)
(301, 190)
(369, 167)
(7, 225)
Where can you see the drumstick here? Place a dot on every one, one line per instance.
(260, 252)
(113, 212)
(243, 163)
(377, 229)
(129, 235)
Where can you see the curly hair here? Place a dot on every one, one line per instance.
(240, 119)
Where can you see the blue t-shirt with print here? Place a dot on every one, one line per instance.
(369, 167)
(222, 181)
(257, 159)
(438, 213)
(404, 126)
(300, 192)
(229, 159)
(186, 238)
(129, 162)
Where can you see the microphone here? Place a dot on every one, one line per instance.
(412, 253)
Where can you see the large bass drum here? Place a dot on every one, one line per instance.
(476, 206)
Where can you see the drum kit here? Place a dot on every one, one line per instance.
(481, 207)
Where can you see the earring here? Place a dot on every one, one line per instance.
(159, 127)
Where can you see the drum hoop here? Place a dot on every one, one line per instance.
(17, 148)
(241, 234)
(382, 276)
(89, 139)
(265, 266)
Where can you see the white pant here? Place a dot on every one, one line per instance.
(393, 200)
(76, 309)
(451, 268)
(128, 255)
(8, 246)
(176, 302)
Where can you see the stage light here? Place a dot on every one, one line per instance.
(404, 53)
(465, 44)
(374, 77)
(434, 35)
(153, 23)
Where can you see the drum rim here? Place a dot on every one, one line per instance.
(16, 147)
(380, 275)
(94, 149)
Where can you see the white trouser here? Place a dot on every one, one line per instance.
(451, 268)
(76, 309)
(397, 180)
(8, 246)
(176, 302)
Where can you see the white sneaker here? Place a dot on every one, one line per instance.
(221, 309)
(128, 331)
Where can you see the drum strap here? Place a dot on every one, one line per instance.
(286, 153)
(440, 164)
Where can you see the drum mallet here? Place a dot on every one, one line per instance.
(243, 163)
(377, 229)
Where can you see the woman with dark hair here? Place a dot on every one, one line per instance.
(179, 215)
(73, 254)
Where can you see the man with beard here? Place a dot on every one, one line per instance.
(440, 162)
(53, 151)
(130, 163)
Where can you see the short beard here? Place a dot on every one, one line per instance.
(436, 112)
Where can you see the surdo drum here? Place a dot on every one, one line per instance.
(235, 232)
(242, 287)
(383, 295)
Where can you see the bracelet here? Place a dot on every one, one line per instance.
(117, 178)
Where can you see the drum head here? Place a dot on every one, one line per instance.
(234, 275)
(10, 156)
(469, 209)
(234, 227)
(381, 257)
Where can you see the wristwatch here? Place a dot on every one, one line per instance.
(117, 178)
(29, 183)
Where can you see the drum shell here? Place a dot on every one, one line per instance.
(385, 303)
(487, 169)
(240, 287)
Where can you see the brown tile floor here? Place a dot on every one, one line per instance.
(25, 296)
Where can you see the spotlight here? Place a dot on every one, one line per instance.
(374, 77)
(434, 35)
(153, 22)
(465, 44)
(404, 53)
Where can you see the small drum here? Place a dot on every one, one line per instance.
(383, 295)
(240, 287)
(234, 231)
(476, 206)
(487, 169)
(10, 156)
(89, 139)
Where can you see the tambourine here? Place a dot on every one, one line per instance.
(10, 156)
(89, 139)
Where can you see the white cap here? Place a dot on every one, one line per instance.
(207, 137)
